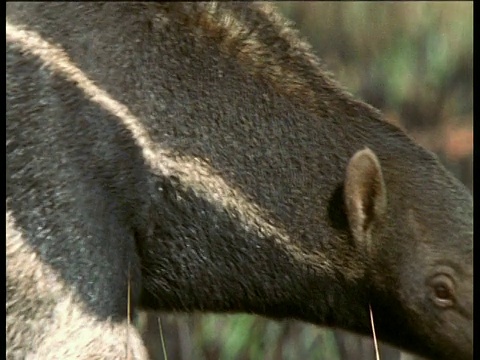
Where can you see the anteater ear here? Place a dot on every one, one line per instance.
(365, 194)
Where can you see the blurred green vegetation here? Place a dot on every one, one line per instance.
(412, 60)
(398, 49)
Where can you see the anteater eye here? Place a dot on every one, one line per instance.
(443, 291)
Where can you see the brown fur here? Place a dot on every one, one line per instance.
(49, 322)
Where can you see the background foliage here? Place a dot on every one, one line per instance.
(412, 60)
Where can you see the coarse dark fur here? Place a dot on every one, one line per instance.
(201, 154)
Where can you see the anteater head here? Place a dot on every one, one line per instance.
(236, 140)
(420, 252)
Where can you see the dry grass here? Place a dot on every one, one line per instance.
(377, 353)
